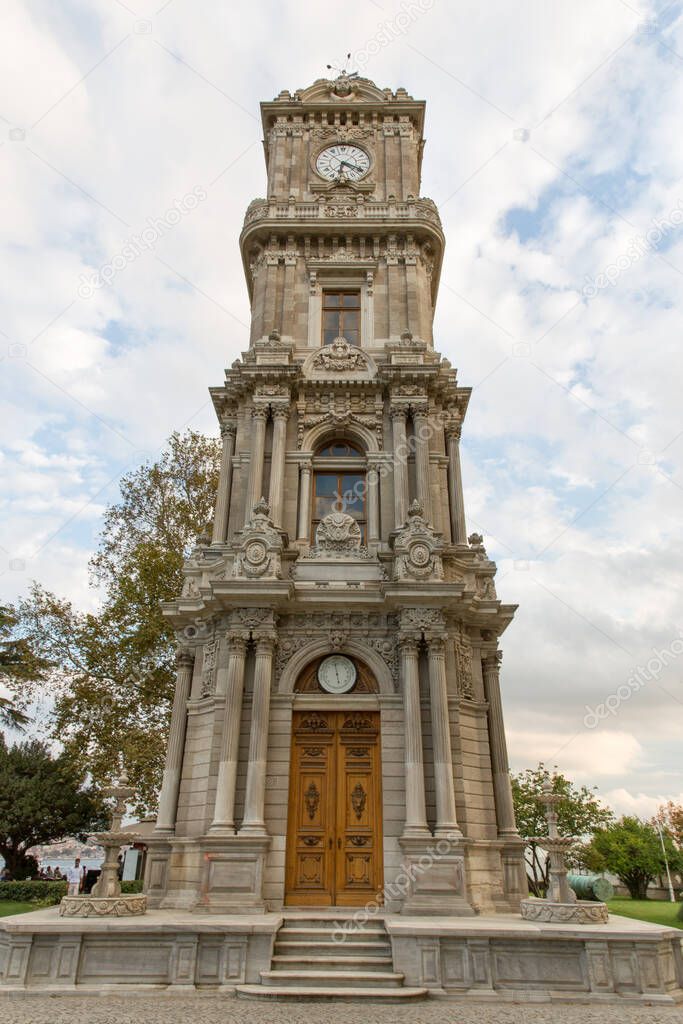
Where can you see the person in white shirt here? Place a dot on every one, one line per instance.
(73, 877)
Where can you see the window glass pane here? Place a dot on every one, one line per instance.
(331, 300)
(350, 320)
(352, 337)
(352, 299)
(331, 321)
(325, 483)
(329, 336)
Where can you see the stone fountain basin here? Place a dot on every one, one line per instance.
(578, 912)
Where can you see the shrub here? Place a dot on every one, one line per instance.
(47, 893)
(131, 887)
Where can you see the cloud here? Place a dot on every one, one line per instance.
(549, 149)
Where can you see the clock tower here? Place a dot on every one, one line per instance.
(337, 736)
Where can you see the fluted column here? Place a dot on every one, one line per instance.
(170, 786)
(398, 425)
(220, 519)
(502, 787)
(224, 807)
(305, 470)
(446, 820)
(254, 800)
(457, 505)
(373, 503)
(424, 496)
(416, 812)
(277, 464)
(258, 441)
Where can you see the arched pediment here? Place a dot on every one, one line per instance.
(342, 88)
(333, 427)
(340, 359)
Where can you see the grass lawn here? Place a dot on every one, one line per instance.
(655, 911)
(7, 907)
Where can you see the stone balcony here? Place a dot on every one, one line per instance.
(333, 207)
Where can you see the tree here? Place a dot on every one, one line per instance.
(111, 673)
(41, 801)
(579, 814)
(631, 849)
(670, 818)
(18, 664)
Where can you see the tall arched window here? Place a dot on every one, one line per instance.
(339, 484)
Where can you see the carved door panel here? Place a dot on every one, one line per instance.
(334, 835)
(359, 809)
(310, 844)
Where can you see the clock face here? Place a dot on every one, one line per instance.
(337, 674)
(342, 160)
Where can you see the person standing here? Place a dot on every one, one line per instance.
(73, 877)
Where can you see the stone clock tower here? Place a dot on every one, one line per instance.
(337, 734)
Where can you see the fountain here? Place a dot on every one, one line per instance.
(106, 897)
(560, 905)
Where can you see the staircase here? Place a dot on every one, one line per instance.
(310, 962)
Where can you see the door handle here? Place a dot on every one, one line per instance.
(331, 843)
(339, 844)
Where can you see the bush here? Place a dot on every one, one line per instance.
(47, 893)
(131, 887)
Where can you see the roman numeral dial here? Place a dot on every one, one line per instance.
(342, 161)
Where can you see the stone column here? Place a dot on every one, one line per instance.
(457, 505)
(224, 807)
(421, 427)
(446, 820)
(258, 440)
(304, 531)
(400, 454)
(254, 800)
(416, 813)
(170, 786)
(502, 787)
(373, 503)
(277, 464)
(220, 519)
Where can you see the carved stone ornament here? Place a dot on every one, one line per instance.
(260, 547)
(463, 667)
(580, 912)
(476, 543)
(340, 357)
(338, 532)
(115, 906)
(419, 619)
(208, 686)
(416, 549)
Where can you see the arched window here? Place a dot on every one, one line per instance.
(339, 484)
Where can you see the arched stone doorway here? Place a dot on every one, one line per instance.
(334, 831)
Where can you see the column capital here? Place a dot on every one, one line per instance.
(237, 640)
(265, 641)
(436, 644)
(306, 466)
(454, 430)
(260, 412)
(492, 660)
(398, 412)
(184, 657)
(408, 642)
(280, 412)
(228, 429)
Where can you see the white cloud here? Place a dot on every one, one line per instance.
(554, 432)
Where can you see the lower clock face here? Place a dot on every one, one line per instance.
(337, 674)
(342, 159)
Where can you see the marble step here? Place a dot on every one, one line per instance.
(290, 932)
(332, 963)
(356, 949)
(346, 993)
(359, 979)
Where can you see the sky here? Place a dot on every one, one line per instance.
(554, 153)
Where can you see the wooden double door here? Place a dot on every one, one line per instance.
(334, 833)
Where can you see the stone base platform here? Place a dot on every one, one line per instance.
(501, 958)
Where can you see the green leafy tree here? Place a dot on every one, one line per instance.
(19, 664)
(579, 814)
(632, 850)
(111, 673)
(41, 801)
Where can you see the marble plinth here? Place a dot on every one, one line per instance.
(493, 958)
